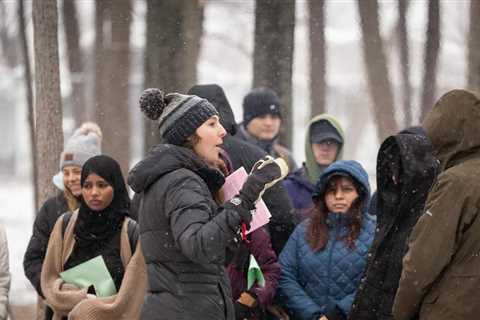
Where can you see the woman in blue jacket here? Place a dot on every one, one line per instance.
(324, 258)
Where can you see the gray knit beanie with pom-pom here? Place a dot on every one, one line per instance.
(86, 142)
(178, 115)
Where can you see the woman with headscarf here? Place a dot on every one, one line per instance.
(100, 227)
(325, 256)
(185, 228)
(83, 144)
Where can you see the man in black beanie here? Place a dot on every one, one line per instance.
(262, 119)
(244, 154)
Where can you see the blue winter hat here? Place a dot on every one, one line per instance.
(347, 168)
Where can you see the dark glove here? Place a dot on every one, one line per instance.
(237, 204)
(245, 305)
(242, 311)
(265, 173)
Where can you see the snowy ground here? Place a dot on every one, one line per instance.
(16, 207)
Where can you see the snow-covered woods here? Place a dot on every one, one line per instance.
(226, 58)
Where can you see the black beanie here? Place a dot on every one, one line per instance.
(178, 115)
(258, 102)
(216, 96)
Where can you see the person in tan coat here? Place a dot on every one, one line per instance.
(441, 270)
(4, 274)
(100, 227)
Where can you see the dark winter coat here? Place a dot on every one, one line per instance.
(418, 130)
(245, 154)
(313, 284)
(37, 246)
(300, 190)
(441, 270)
(410, 159)
(273, 148)
(260, 247)
(300, 183)
(184, 236)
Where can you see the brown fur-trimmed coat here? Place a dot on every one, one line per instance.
(67, 300)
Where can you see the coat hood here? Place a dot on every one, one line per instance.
(453, 127)
(351, 168)
(414, 130)
(313, 170)
(216, 96)
(406, 170)
(165, 158)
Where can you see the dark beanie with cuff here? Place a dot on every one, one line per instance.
(216, 96)
(259, 102)
(178, 115)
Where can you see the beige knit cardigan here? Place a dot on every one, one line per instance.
(67, 300)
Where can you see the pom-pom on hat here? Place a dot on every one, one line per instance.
(86, 142)
(178, 115)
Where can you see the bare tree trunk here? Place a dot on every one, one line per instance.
(114, 118)
(22, 29)
(473, 69)
(155, 67)
(192, 31)
(318, 84)
(174, 67)
(101, 18)
(75, 61)
(48, 104)
(8, 41)
(404, 62)
(376, 68)
(273, 55)
(432, 48)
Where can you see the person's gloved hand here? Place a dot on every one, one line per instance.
(245, 305)
(278, 312)
(242, 311)
(237, 204)
(265, 173)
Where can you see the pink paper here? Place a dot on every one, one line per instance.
(233, 184)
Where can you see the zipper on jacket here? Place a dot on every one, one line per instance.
(330, 253)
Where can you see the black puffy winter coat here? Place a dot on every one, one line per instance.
(37, 246)
(184, 236)
(406, 170)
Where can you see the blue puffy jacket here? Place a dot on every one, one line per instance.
(316, 283)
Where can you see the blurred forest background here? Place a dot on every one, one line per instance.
(376, 65)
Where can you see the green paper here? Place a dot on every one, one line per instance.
(255, 274)
(92, 272)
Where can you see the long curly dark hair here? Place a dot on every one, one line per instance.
(317, 230)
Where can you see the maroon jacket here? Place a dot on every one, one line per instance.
(261, 248)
